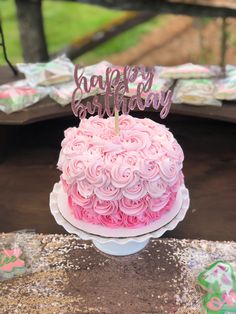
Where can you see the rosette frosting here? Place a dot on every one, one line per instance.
(126, 180)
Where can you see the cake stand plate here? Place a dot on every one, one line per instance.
(118, 246)
(61, 199)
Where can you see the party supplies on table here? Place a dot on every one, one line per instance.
(195, 92)
(226, 88)
(158, 84)
(18, 95)
(19, 252)
(53, 72)
(218, 281)
(62, 93)
(189, 70)
(230, 70)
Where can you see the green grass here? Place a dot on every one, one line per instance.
(10, 27)
(121, 42)
(65, 21)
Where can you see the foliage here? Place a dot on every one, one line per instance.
(66, 21)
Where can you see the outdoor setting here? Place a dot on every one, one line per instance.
(117, 156)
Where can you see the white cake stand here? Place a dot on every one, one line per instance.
(123, 243)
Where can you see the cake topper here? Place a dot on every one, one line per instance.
(114, 87)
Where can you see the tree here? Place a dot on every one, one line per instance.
(30, 19)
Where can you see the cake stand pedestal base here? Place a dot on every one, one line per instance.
(117, 249)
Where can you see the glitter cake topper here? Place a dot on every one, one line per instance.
(114, 87)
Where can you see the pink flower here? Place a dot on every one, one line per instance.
(148, 123)
(133, 207)
(110, 159)
(94, 172)
(176, 152)
(70, 133)
(79, 199)
(136, 191)
(61, 160)
(132, 221)
(156, 188)
(75, 147)
(160, 202)
(177, 184)
(97, 125)
(132, 159)
(108, 134)
(111, 221)
(85, 188)
(135, 140)
(168, 169)
(149, 170)
(126, 122)
(122, 174)
(102, 207)
(154, 152)
(108, 192)
(75, 168)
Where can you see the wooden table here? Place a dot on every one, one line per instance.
(70, 276)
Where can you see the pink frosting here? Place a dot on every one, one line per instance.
(127, 180)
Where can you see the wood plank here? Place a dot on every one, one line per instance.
(41, 111)
(71, 277)
(191, 7)
(231, 4)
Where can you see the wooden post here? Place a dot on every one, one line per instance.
(30, 21)
(223, 48)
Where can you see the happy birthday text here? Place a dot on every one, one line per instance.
(114, 86)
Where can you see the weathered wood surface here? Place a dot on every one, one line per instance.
(70, 276)
(49, 109)
(213, 8)
(214, 3)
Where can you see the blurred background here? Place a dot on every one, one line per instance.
(89, 34)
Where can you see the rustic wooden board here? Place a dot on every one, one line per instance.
(213, 8)
(70, 276)
(213, 3)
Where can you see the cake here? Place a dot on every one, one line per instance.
(125, 180)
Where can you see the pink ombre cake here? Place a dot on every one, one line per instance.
(128, 180)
